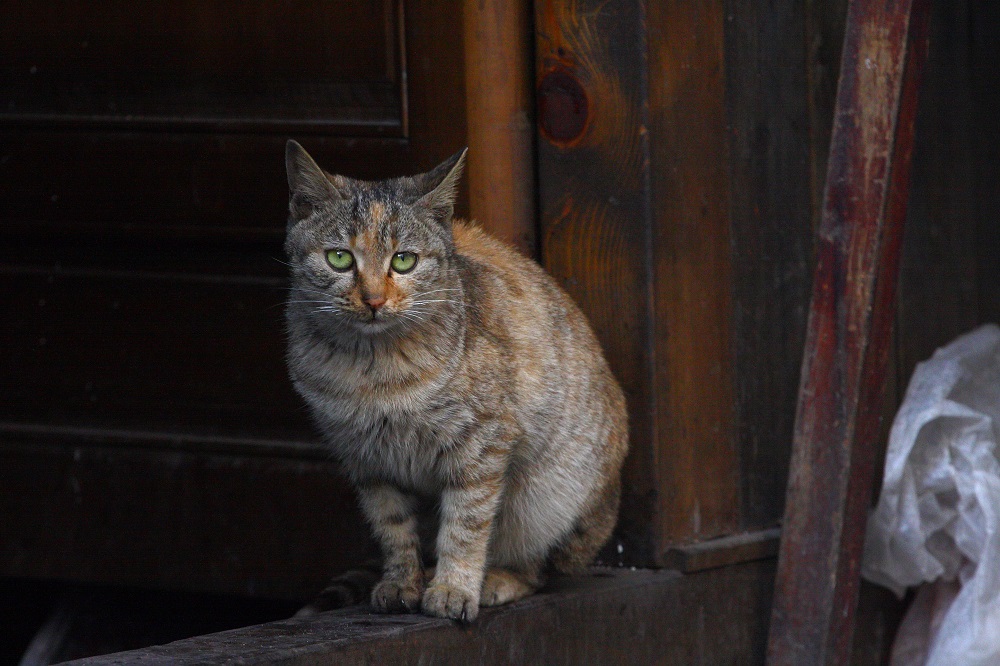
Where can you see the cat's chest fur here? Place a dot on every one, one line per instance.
(389, 414)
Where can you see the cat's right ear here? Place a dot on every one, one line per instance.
(308, 186)
(440, 185)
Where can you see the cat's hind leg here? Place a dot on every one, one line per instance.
(591, 532)
(502, 586)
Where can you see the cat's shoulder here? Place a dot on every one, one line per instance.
(491, 261)
(494, 255)
(475, 243)
(495, 261)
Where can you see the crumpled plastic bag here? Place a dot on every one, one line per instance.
(938, 518)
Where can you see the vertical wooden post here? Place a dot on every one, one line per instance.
(850, 325)
(594, 210)
(499, 103)
(771, 234)
(697, 458)
(634, 217)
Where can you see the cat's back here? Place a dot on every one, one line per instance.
(514, 296)
(538, 331)
(564, 395)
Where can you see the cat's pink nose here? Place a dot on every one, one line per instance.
(375, 303)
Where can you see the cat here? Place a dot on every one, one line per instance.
(439, 363)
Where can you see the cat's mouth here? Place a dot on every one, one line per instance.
(376, 320)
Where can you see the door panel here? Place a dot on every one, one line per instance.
(143, 203)
(330, 67)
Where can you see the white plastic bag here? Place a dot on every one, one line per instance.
(938, 517)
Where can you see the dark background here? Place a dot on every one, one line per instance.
(148, 433)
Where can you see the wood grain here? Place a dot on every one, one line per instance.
(499, 115)
(141, 279)
(696, 458)
(606, 617)
(984, 54)
(772, 237)
(594, 215)
(938, 297)
(197, 67)
(824, 38)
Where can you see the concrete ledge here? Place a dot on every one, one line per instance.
(606, 616)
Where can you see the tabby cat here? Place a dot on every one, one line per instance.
(441, 365)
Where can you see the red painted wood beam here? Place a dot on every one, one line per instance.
(849, 331)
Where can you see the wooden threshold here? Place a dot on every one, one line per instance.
(607, 616)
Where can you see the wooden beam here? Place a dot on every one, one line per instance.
(771, 235)
(725, 551)
(696, 456)
(848, 335)
(607, 617)
(499, 107)
(593, 164)
(634, 200)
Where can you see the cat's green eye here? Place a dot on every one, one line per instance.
(339, 260)
(403, 262)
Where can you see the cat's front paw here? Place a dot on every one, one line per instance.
(393, 596)
(443, 600)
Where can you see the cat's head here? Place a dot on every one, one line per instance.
(371, 255)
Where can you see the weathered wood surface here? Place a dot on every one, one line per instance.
(143, 204)
(984, 43)
(594, 214)
(181, 512)
(771, 235)
(824, 29)
(675, 208)
(605, 617)
(205, 68)
(724, 551)
(634, 198)
(499, 100)
(938, 295)
(697, 461)
(848, 334)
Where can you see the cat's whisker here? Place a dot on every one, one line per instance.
(300, 302)
(427, 309)
(418, 303)
(436, 299)
(330, 308)
(420, 318)
(432, 291)
(419, 307)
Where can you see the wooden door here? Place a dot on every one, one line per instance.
(144, 400)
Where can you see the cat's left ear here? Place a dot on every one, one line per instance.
(440, 186)
(308, 185)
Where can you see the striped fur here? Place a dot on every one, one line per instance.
(476, 382)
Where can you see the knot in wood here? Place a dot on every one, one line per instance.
(562, 107)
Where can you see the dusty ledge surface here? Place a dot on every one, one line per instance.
(605, 616)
